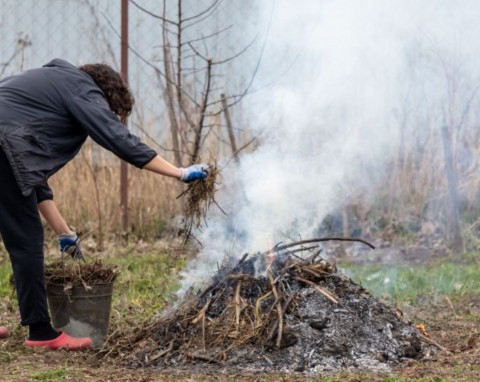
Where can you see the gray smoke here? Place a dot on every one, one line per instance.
(333, 77)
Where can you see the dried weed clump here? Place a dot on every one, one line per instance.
(80, 274)
(199, 197)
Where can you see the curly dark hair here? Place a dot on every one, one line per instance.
(115, 89)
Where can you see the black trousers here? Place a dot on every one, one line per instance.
(22, 232)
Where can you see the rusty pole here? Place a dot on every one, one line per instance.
(124, 70)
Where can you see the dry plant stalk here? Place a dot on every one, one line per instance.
(73, 274)
(199, 197)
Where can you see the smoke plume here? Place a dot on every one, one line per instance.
(333, 78)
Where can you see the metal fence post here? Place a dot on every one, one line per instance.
(124, 70)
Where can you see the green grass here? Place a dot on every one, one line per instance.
(146, 282)
(455, 278)
(6, 289)
(50, 375)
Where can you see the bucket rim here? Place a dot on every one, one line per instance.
(78, 285)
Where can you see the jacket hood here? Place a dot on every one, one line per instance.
(59, 62)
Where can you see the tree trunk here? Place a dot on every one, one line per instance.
(453, 214)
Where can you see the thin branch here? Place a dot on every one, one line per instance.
(198, 137)
(21, 44)
(148, 63)
(197, 53)
(98, 201)
(210, 35)
(8, 62)
(235, 154)
(215, 3)
(179, 52)
(322, 239)
(257, 67)
(153, 140)
(205, 136)
(94, 13)
(237, 54)
(200, 19)
(180, 99)
(170, 96)
(467, 106)
(165, 20)
(319, 289)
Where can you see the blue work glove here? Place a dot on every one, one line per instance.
(194, 172)
(70, 244)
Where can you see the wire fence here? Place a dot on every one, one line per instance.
(227, 33)
(82, 31)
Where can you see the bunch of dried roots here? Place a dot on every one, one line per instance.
(76, 273)
(199, 197)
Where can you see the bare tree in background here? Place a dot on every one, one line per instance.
(454, 116)
(430, 176)
(21, 45)
(188, 76)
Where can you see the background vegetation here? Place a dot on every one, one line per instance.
(423, 198)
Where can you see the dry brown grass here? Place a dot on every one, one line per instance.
(413, 191)
(80, 274)
(87, 192)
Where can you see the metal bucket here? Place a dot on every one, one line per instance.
(80, 312)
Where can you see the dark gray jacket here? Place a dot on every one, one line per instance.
(46, 115)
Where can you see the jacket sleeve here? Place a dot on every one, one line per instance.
(43, 192)
(91, 112)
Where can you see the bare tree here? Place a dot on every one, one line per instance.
(189, 79)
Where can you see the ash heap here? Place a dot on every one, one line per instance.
(287, 310)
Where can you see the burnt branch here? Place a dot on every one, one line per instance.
(318, 240)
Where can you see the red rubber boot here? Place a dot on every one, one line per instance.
(64, 341)
(4, 332)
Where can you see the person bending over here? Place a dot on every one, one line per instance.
(46, 114)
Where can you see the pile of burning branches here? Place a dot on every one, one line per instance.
(283, 309)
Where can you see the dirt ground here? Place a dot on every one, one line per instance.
(454, 326)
